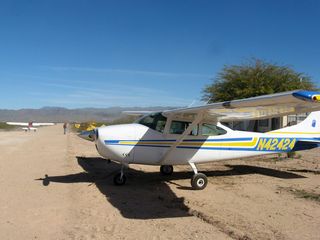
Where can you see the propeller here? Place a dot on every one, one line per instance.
(88, 135)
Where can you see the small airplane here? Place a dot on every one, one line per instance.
(194, 135)
(29, 126)
(89, 126)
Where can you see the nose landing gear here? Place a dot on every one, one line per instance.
(120, 179)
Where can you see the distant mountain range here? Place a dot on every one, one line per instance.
(58, 114)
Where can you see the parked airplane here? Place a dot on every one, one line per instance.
(29, 126)
(195, 135)
(87, 126)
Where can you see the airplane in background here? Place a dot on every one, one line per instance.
(194, 135)
(29, 126)
(89, 126)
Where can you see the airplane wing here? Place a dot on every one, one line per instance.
(27, 124)
(266, 106)
(137, 113)
(42, 124)
(18, 123)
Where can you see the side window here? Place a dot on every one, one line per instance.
(212, 130)
(178, 127)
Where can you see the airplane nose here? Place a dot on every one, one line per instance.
(96, 132)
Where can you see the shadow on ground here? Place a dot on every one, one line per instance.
(316, 172)
(147, 195)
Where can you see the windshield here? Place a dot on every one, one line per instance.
(155, 121)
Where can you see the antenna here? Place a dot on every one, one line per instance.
(209, 100)
(190, 105)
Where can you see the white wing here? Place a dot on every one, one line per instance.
(137, 113)
(42, 124)
(18, 123)
(265, 106)
(27, 124)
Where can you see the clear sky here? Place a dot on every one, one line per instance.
(144, 53)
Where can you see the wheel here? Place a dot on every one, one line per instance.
(118, 180)
(166, 170)
(199, 181)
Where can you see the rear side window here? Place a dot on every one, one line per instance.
(212, 130)
(178, 127)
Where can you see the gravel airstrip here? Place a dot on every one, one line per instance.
(55, 186)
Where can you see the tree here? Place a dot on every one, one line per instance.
(255, 78)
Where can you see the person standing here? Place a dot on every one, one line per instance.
(65, 125)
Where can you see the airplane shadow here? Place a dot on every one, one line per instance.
(316, 172)
(146, 195)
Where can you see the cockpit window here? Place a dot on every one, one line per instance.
(212, 130)
(155, 121)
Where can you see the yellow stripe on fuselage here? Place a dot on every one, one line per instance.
(221, 144)
(144, 143)
(204, 143)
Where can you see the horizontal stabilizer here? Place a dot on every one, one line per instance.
(317, 141)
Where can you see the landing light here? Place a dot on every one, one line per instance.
(316, 98)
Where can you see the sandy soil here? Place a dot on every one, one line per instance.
(55, 186)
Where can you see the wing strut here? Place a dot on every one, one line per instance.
(196, 121)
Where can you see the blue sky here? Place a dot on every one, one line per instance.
(143, 53)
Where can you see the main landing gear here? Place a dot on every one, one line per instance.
(166, 170)
(199, 180)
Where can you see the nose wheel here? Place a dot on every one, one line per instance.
(199, 181)
(120, 179)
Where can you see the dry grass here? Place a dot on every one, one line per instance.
(6, 127)
(300, 193)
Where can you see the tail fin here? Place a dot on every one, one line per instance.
(310, 125)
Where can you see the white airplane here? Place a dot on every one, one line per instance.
(29, 126)
(195, 135)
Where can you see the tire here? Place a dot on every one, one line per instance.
(199, 181)
(166, 170)
(118, 181)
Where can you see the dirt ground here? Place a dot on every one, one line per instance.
(55, 186)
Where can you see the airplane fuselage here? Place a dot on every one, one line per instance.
(138, 144)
